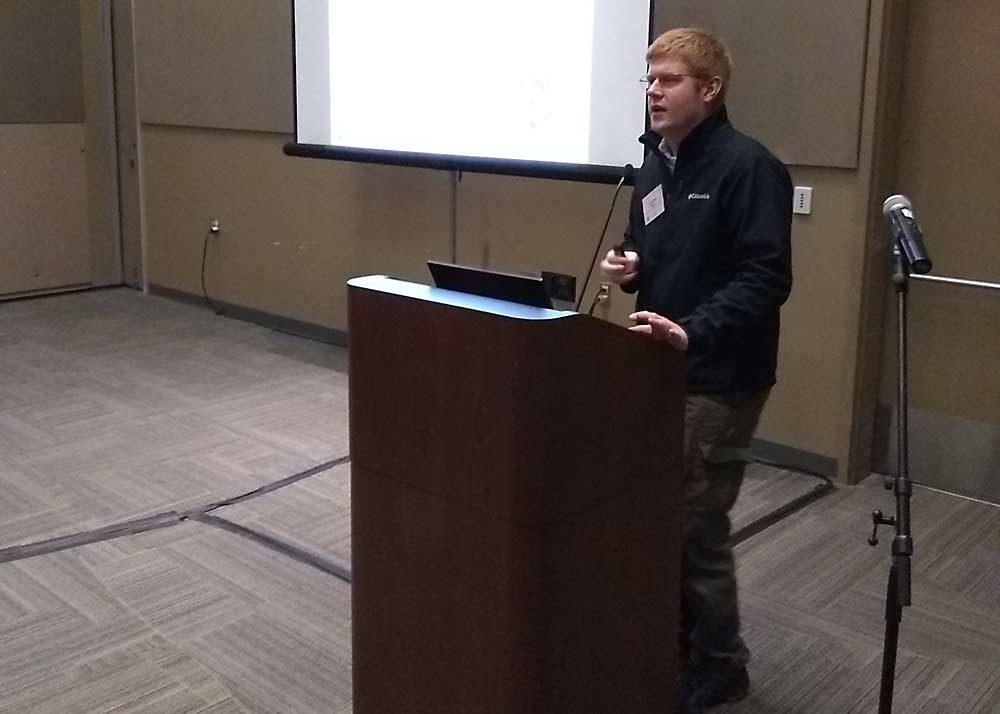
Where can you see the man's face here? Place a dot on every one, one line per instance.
(677, 101)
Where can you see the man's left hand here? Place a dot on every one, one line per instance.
(659, 327)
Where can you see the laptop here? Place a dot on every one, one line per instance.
(523, 289)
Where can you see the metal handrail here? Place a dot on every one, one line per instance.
(957, 281)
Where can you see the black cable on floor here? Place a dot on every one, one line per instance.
(267, 488)
(152, 522)
(779, 514)
(292, 551)
(75, 540)
(796, 469)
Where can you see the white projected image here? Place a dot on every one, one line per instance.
(551, 81)
(462, 77)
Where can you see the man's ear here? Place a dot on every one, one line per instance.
(712, 89)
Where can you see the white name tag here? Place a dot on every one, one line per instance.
(653, 205)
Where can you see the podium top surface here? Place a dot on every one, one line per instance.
(384, 284)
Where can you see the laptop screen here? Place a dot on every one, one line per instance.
(523, 289)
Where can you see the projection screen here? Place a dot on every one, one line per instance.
(544, 88)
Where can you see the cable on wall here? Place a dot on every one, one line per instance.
(213, 231)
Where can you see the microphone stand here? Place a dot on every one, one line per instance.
(898, 588)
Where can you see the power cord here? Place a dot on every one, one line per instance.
(600, 296)
(204, 252)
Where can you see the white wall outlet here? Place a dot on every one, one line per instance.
(802, 199)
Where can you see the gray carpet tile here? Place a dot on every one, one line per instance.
(813, 603)
(272, 668)
(115, 405)
(207, 623)
(302, 594)
(165, 596)
(292, 652)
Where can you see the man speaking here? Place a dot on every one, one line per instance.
(708, 251)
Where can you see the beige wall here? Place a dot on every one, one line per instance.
(820, 319)
(43, 207)
(949, 166)
(57, 209)
(294, 229)
(799, 71)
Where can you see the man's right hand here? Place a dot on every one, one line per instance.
(620, 269)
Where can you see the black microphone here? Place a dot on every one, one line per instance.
(906, 232)
(628, 176)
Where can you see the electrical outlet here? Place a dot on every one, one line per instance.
(802, 200)
(214, 226)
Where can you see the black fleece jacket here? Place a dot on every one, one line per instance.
(718, 259)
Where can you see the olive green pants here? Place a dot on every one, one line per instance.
(718, 429)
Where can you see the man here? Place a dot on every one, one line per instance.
(708, 251)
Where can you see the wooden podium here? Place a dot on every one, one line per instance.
(516, 506)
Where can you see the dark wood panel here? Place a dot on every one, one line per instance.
(516, 512)
(516, 418)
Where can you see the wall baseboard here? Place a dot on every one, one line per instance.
(52, 292)
(291, 326)
(792, 458)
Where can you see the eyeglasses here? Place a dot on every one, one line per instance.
(669, 79)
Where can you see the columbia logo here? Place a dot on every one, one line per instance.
(699, 196)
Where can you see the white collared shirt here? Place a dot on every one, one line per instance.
(670, 156)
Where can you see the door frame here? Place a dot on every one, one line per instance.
(131, 214)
